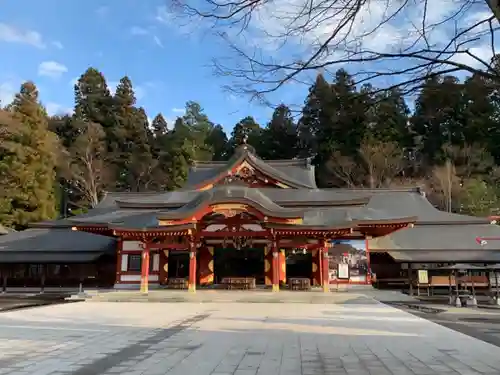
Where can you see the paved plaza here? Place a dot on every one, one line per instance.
(90, 338)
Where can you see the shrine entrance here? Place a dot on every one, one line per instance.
(244, 262)
(178, 264)
(299, 264)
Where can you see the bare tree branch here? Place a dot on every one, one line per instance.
(397, 43)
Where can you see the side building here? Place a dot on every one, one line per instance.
(245, 220)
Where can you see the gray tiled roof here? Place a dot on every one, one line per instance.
(62, 243)
(229, 194)
(54, 257)
(456, 237)
(319, 206)
(445, 256)
(297, 173)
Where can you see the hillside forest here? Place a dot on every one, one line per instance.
(448, 143)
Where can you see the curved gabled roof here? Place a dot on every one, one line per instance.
(291, 173)
(232, 194)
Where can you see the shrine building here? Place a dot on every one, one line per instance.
(244, 223)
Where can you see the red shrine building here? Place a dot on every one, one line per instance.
(244, 223)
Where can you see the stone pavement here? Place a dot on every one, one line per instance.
(231, 338)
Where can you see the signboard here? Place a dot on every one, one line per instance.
(423, 277)
(343, 272)
(350, 258)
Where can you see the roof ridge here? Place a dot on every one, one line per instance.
(132, 192)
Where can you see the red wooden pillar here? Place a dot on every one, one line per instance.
(119, 247)
(275, 268)
(268, 265)
(316, 274)
(192, 267)
(368, 262)
(145, 268)
(163, 274)
(206, 265)
(282, 266)
(325, 268)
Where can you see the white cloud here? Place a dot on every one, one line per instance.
(57, 44)
(290, 31)
(74, 81)
(163, 15)
(157, 41)
(140, 92)
(51, 69)
(482, 52)
(57, 109)
(136, 30)
(178, 110)
(12, 34)
(190, 27)
(7, 92)
(141, 31)
(112, 86)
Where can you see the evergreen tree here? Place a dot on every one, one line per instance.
(218, 142)
(312, 113)
(159, 125)
(32, 160)
(279, 138)
(179, 155)
(439, 117)
(92, 98)
(199, 127)
(333, 122)
(246, 129)
(388, 118)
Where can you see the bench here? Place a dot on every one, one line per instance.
(441, 282)
(391, 281)
(238, 282)
(476, 281)
(299, 283)
(177, 283)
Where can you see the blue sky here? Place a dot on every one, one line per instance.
(52, 42)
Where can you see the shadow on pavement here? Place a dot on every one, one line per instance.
(9, 302)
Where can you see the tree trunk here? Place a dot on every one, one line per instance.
(495, 8)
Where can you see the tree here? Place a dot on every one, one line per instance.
(67, 128)
(10, 155)
(376, 165)
(334, 121)
(279, 138)
(199, 128)
(159, 125)
(478, 198)
(180, 153)
(308, 36)
(445, 186)
(130, 151)
(388, 117)
(30, 157)
(88, 170)
(470, 160)
(438, 119)
(246, 129)
(382, 161)
(93, 99)
(312, 116)
(218, 142)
